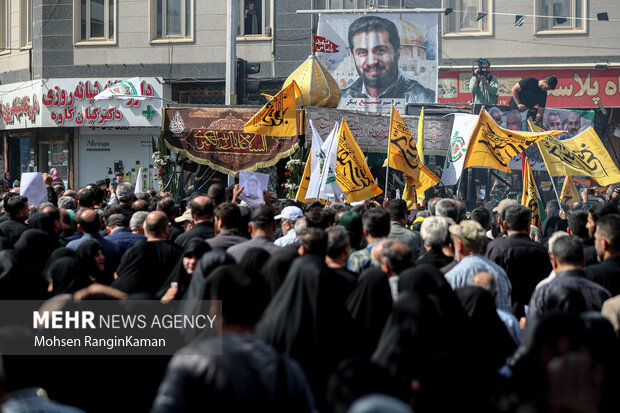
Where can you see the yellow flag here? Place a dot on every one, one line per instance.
(409, 194)
(530, 196)
(278, 117)
(404, 156)
(583, 155)
(493, 146)
(569, 192)
(352, 172)
(305, 180)
(402, 150)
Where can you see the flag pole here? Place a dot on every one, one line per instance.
(555, 190)
(387, 159)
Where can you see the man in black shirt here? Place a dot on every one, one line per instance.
(529, 92)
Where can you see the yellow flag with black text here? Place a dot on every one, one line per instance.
(583, 155)
(530, 196)
(278, 117)
(352, 172)
(305, 180)
(569, 192)
(493, 146)
(404, 156)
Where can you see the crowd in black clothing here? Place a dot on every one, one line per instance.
(351, 309)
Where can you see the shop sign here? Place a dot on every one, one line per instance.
(576, 88)
(20, 105)
(70, 102)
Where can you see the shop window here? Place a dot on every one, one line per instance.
(95, 20)
(462, 21)
(172, 20)
(560, 16)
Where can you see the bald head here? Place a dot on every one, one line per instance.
(486, 281)
(202, 208)
(88, 221)
(156, 226)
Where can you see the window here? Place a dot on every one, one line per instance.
(560, 16)
(357, 4)
(174, 19)
(254, 18)
(25, 10)
(4, 25)
(96, 20)
(462, 21)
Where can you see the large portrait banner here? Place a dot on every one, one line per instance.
(381, 59)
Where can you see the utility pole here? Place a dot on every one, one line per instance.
(231, 52)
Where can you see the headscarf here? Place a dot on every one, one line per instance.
(7, 180)
(275, 269)
(554, 334)
(414, 346)
(33, 246)
(19, 281)
(200, 284)
(486, 328)
(86, 253)
(45, 223)
(67, 276)
(57, 254)
(196, 246)
(307, 319)
(426, 279)
(54, 174)
(370, 304)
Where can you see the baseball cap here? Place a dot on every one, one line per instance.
(187, 216)
(262, 215)
(352, 221)
(470, 233)
(290, 213)
(503, 204)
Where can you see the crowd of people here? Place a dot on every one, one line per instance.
(339, 308)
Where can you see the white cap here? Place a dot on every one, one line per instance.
(290, 213)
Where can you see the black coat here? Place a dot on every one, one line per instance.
(606, 273)
(526, 263)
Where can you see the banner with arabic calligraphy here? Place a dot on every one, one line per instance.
(406, 73)
(70, 102)
(371, 129)
(215, 137)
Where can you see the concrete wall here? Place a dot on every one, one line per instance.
(15, 62)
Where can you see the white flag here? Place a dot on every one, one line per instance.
(138, 181)
(329, 186)
(127, 89)
(461, 132)
(316, 164)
